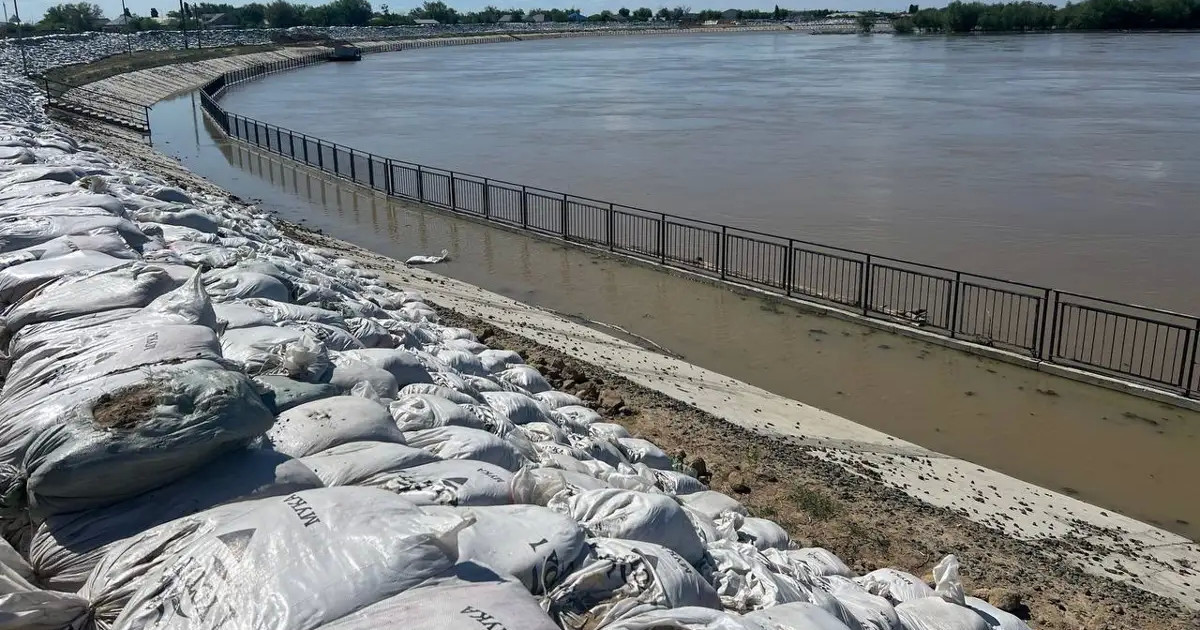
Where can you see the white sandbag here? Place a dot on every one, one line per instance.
(453, 442)
(599, 449)
(282, 311)
(348, 372)
(819, 562)
(30, 608)
(277, 350)
(995, 618)
(745, 580)
(499, 360)
(537, 546)
(234, 284)
(629, 478)
(677, 483)
(620, 579)
(796, 616)
(129, 286)
(686, 618)
(934, 613)
(705, 527)
(544, 432)
(370, 333)
(653, 518)
(321, 424)
(762, 533)
(538, 486)
(525, 377)
(578, 416)
(281, 393)
(17, 280)
(403, 365)
(871, 611)
(639, 451)
(462, 361)
(316, 555)
(712, 503)
(449, 482)
(66, 547)
(610, 431)
(947, 584)
(132, 433)
(895, 586)
(237, 315)
(355, 463)
(26, 232)
(551, 400)
(470, 345)
(453, 395)
(547, 451)
(472, 597)
(332, 337)
(428, 260)
(413, 412)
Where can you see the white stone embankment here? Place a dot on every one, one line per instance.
(1115, 547)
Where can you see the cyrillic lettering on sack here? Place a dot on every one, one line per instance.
(486, 620)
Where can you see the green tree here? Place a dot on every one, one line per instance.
(153, 13)
(623, 12)
(963, 17)
(643, 14)
(664, 13)
(283, 14)
(902, 26)
(349, 12)
(250, 15)
(74, 17)
(866, 23)
(912, 8)
(433, 11)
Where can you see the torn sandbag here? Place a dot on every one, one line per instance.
(653, 518)
(745, 580)
(895, 586)
(413, 412)
(132, 433)
(441, 391)
(621, 578)
(449, 482)
(871, 611)
(318, 555)
(538, 485)
(321, 424)
(469, 596)
(428, 260)
(356, 463)
(66, 547)
(639, 451)
(453, 442)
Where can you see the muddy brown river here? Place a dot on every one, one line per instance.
(1125, 453)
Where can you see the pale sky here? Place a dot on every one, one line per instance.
(32, 10)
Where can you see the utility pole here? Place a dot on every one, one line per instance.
(21, 38)
(128, 27)
(5, 6)
(182, 22)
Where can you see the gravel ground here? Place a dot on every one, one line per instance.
(817, 501)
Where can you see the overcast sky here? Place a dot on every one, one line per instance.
(32, 10)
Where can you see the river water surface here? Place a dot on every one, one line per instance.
(1115, 450)
(1058, 160)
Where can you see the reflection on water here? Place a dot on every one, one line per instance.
(1121, 452)
(1057, 160)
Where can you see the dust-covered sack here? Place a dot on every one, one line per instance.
(622, 578)
(296, 562)
(356, 463)
(449, 482)
(321, 424)
(453, 442)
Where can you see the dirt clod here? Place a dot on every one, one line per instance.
(126, 408)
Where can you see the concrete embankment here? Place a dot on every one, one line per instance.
(1101, 543)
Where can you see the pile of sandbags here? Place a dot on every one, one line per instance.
(204, 424)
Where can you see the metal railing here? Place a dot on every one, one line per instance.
(82, 101)
(1150, 346)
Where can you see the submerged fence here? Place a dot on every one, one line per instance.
(1151, 346)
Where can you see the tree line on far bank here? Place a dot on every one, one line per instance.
(956, 17)
(966, 17)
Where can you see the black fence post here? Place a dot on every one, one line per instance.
(320, 155)
(371, 169)
(953, 303)
(524, 208)
(1039, 343)
(1053, 327)
(256, 142)
(1191, 371)
(662, 238)
(563, 221)
(789, 259)
(420, 184)
(335, 161)
(453, 193)
(611, 216)
(353, 177)
(722, 250)
(487, 199)
(291, 145)
(304, 143)
(388, 180)
(865, 289)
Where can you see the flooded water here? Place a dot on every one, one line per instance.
(1058, 160)
(1121, 452)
